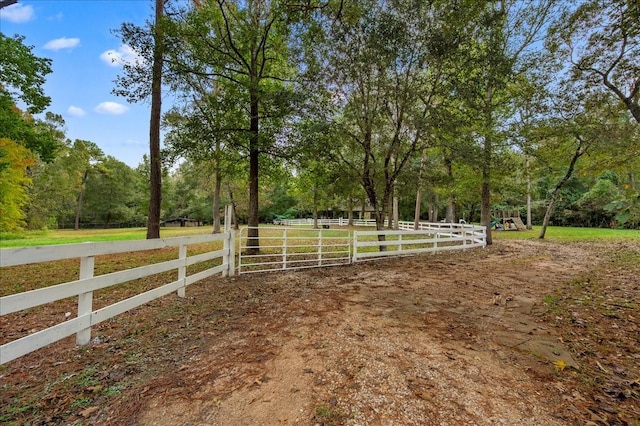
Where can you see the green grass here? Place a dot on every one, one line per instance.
(568, 234)
(70, 236)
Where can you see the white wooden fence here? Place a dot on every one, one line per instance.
(336, 222)
(294, 248)
(406, 225)
(432, 238)
(307, 248)
(86, 283)
(281, 249)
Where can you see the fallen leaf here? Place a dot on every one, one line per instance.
(88, 411)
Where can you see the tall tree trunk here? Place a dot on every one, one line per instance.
(416, 214)
(80, 196)
(351, 205)
(155, 195)
(556, 192)
(315, 206)
(487, 154)
(216, 200)
(390, 210)
(485, 206)
(450, 212)
(528, 171)
(232, 200)
(253, 244)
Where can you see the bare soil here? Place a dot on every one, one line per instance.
(519, 333)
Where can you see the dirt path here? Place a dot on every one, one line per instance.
(457, 338)
(424, 340)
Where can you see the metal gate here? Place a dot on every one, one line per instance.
(293, 248)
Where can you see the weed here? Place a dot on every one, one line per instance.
(113, 390)
(553, 302)
(14, 410)
(327, 416)
(87, 377)
(81, 403)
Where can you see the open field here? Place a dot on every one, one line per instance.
(522, 332)
(69, 236)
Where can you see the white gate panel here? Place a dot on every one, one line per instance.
(294, 248)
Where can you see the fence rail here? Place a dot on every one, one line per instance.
(294, 248)
(432, 238)
(325, 222)
(86, 283)
(405, 225)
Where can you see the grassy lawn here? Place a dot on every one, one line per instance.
(568, 234)
(69, 236)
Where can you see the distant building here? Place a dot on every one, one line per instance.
(181, 222)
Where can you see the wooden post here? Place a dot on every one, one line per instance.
(85, 300)
(320, 248)
(182, 269)
(229, 244)
(395, 213)
(284, 249)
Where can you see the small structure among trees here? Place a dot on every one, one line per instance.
(508, 221)
(181, 222)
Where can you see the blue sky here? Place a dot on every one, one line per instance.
(77, 36)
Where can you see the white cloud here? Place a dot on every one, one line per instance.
(112, 108)
(75, 111)
(62, 43)
(17, 13)
(124, 55)
(57, 17)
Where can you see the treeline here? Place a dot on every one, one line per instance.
(84, 188)
(457, 109)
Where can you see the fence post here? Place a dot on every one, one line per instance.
(284, 249)
(320, 247)
(232, 252)
(182, 269)
(229, 244)
(85, 300)
(355, 247)
(435, 242)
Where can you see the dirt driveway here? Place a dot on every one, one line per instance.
(520, 333)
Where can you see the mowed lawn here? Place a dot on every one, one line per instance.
(69, 236)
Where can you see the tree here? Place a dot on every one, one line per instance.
(591, 125)
(87, 157)
(22, 74)
(500, 48)
(240, 47)
(110, 196)
(155, 196)
(375, 65)
(138, 83)
(199, 132)
(13, 184)
(601, 41)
